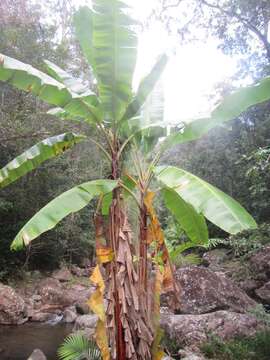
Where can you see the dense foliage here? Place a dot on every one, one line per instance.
(24, 36)
(245, 348)
(234, 151)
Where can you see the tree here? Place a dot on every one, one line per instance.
(241, 20)
(25, 35)
(125, 275)
(241, 26)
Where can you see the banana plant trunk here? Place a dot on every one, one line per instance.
(114, 230)
(128, 320)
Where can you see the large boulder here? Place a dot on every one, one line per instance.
(264, 293)
(54, 292)
(85, 322)
(260, 263)
(37, 355)
(190, 331)
(69, 315)
(51, 291)
(203, 291)
(12, 307)
(250, 286)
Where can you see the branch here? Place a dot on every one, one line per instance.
(166, 7)
(245, 22)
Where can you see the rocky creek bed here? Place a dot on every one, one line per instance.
(216, 298)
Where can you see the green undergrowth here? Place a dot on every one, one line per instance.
(171, 347)
(244, 348)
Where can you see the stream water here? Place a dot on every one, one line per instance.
(18, 342)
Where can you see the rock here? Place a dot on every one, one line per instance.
(50, 291)
(69, 315)
(13, 309)
(165, 310)
(190, 331)
(250, 285)
(82, 308)
(85, 321)
(190, 355)
(77, 294)
(77, 271)
(85, 263)
(86, 325)
(37, 355)
(54, 292)
(260, 263)
(42, 317)
(204, 291)
(36, 298)
(62, 275)
(264, 293)
(214, 258)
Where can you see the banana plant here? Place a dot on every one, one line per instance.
(132, 269)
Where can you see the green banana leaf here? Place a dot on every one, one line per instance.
(215, 205)
(191, 222)
(149, 136)
(36, 155)
(75, 85)
(145, 88)
(25, 77)
(83, 23)
(145, 137)
(230, 108)
(68, 202)
(63, 114)
(114, 56)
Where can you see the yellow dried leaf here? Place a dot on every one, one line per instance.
(96, 279)
(159, 355)
(150, 234)
(168, 280)
(96, 304)
(102, 340)
(148, 200)
(96, 300)
(104, 255)
(156, 351)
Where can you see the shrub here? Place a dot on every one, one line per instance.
(245, 348)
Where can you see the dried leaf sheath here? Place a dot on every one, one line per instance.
(96, 304)
(155, 233)
(135, 325)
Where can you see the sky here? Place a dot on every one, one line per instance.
(190, 75)
(192, 72)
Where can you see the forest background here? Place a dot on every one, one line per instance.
(235, 159)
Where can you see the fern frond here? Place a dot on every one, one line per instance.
(78, 347)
